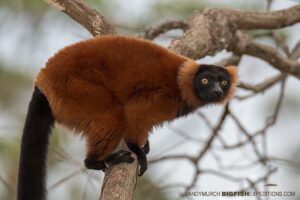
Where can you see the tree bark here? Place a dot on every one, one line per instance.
(120, 181)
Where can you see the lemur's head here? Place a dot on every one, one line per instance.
(205, 84)
(212, 83)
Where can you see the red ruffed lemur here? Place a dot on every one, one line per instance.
(108, 89)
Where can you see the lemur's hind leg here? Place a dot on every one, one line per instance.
(137, 142)
(103, 137)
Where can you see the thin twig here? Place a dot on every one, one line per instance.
(154, 32)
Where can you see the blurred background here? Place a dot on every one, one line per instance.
(31, 32)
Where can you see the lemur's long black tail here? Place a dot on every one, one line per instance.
(34, 149)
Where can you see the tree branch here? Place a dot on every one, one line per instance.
(89, 18)
(264, 85)
(245, 45)
(153, 32)
(213, 30)
(296, 52)
(270, 55)
(268, 20)
(120, 180)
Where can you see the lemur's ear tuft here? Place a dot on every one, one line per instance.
(233, 73)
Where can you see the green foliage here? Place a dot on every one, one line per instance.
(26, 5)
(9, 150)
(12, 84)
(147, 190)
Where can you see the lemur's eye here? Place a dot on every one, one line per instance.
(204, 81)
(224, 82)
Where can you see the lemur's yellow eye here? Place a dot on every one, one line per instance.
(204, 81)
(224, 82)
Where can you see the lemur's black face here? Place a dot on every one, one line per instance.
(212, 83)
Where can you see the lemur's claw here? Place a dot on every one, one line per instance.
(146, 147)
(143, 167)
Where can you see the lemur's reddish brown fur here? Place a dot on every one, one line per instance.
(115, 87)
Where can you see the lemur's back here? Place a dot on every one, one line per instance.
(120, 65)
(112, 71)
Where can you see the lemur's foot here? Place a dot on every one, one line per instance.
(141, 157)
(113, 159)
(119, 157)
